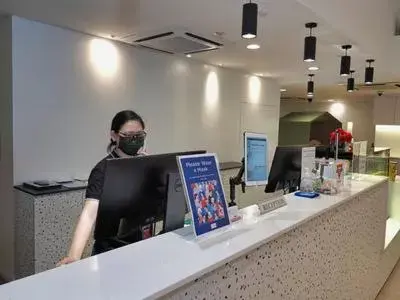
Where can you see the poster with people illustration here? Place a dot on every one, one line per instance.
(204, 193)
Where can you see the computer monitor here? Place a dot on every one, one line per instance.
(134, 194)
(255, 159)
(176, 205)
(285, 170)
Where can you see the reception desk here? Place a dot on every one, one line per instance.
(332, 247)
(45, 221)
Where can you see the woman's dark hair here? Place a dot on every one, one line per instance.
(120, 119)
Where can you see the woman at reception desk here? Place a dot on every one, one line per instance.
(331, 247)
(127, 140)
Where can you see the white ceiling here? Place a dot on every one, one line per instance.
(366, 24)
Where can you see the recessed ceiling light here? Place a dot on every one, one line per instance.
(341, 83)
(331, 100)
(259, 74)
(220, 65)
(188, 55)
(253, 46)
(283, 90)
(314, 68)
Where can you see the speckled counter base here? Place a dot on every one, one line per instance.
(338, 255)
(44, 227)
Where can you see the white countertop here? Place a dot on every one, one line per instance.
(379, 149)
(155, 267)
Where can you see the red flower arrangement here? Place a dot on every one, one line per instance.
(344, 136)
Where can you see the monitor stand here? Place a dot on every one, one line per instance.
(233, 182)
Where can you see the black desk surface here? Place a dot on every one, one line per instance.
(34, 192)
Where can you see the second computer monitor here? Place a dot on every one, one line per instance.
(285, 170)
(255, 159)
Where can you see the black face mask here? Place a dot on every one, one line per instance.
(131, 145)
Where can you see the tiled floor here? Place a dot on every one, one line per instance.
(391, 290)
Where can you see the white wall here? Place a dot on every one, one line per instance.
(387, 110)
(6, 154)
(63, 107)
(358, 112)
(388, 136)
(387, 120)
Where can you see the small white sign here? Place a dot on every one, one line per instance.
(307, 159)
(360, 157)
(363, 157)
(272, 202)
(356, 148)
(363, 148)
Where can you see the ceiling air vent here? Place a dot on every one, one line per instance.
(177, 43)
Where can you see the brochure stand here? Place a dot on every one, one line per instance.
(204, 194)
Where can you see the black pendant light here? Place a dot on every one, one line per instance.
(310, 86)
(369, 72)
(350, 82)
(249, 20)
(310, 44)
(310, 98)
(345, 62)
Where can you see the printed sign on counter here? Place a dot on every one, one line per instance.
(360, 157)
(204, 192)
(307, 159)
(356, 148)
(363, 157)
(363, 148)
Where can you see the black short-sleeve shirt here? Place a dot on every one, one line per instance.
(94, 188)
